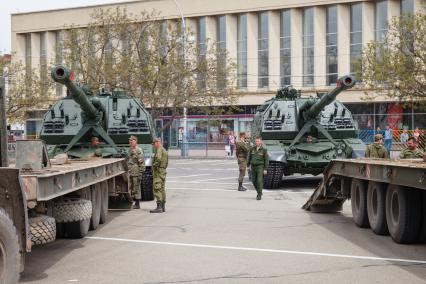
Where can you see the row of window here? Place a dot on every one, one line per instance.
(263, 41)
(308, 43)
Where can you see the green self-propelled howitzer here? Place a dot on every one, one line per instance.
(302, 135)
(111, 117)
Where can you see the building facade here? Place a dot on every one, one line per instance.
(307, 44)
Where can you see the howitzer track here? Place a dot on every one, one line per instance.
(274, 174)
(146, 186)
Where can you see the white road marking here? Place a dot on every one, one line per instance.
(359, 257)
(189, 176)
(202, 180)
(233, 189)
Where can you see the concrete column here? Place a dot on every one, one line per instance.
(394, 9)
(211, 29)
(252, 51)
(343, 39)
(296, 47)
(18, 48)
(319, 46)
(368, 22)
(35, 50)
(274, 49)
(50, 48)
(231, 41)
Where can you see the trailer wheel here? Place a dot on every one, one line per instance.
(96, 198)
(104, 202)
(78, 229)
(43, 229)
(359, 203)
(147, 192)
(376, 207)
(403, 213)
(72, 210)
(9, 250)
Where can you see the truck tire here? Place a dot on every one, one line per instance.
(42, 229)
(274, 175)
(422, 237)
(104, 202)
(78, 229)
(9, 250)
(403, 209)
(96, 198)
(376, 207)
(72, 210)
(359, 203)
(147, 192)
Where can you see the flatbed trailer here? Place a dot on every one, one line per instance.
(36, 206)
(389, 196)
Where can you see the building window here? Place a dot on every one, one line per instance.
(308, 47)
(356, 36)
(263, 50)
(407, 7)
(285, 48)
(221, 52)
(43, 60)
(59, 57)
(331, 45)
(28, 51)
(202, 48)
(242, 51)
(381, 27)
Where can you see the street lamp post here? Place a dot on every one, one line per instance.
(184, 147)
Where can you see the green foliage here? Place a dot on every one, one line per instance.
(150, 58)
(396, 67)
(26, 89)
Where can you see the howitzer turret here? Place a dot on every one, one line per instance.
(312, 109)
(302, 134)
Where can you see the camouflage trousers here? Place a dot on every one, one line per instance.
(159, 184)
(257, 178)
(242, 165)
(135, 186)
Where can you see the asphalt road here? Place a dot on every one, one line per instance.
(212, 233)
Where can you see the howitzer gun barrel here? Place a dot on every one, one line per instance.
(63, 75)
(343, 83)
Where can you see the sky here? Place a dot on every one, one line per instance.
(8, 7)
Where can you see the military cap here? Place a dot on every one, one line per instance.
(133, 137)
(378, 137)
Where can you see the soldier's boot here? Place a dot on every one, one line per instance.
(159, 208)
(259, 196)
(164, 206)
(243, 188)
(240, 186)
(137, 205)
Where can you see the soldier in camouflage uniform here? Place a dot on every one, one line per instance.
(159, 166)
(411, 152)
(377, 149)
(258, 161)
(136, 165)
(242, 152)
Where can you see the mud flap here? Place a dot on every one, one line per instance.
(13, 201)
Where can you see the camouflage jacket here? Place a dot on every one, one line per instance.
(242, 150)
(136, 162)
(258, 157)
(411, 154)
(161, 159)
(376, 150)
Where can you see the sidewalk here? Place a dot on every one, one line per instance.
(199, 153)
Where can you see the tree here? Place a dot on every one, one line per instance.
(396, 66)
(25, 89)
(150, 58)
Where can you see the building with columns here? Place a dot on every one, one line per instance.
(307, 44)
